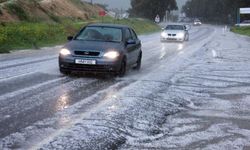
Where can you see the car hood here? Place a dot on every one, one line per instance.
(173, 31)
(77, 45)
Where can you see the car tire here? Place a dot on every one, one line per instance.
(64, 72)
(183, 40)
(123, 69)
(187, 38)
(138, 62)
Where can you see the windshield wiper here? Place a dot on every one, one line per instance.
(111, 41)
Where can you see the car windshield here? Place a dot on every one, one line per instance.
(100, 34)
(174, 27)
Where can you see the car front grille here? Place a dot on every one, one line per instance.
(87, 53)
(171, 34)
(88, 68)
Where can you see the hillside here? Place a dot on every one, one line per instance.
(45, 10)
(34, 24)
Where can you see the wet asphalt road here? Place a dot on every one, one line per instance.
(31, 86)
(32, 89)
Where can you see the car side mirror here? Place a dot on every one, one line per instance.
(187, 27)
(70, 38)
(130, 42)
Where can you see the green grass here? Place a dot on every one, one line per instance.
(14, 36)
(25, 35)
(242, 30)
(140, 26)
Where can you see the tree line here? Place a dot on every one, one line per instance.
(150, 8)
(215, 11)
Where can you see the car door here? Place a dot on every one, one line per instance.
(137, 45)
(130, 47)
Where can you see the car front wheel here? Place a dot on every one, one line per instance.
(187, 38)
(138, 62)
(64, 72)
(122, 70)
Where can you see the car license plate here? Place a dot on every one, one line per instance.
(172, 39)
(85, 61)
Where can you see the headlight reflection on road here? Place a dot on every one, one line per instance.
(180, 47)
(62, 102)
(112, 108)
(65, 120)
(111, 95)
(163, 51)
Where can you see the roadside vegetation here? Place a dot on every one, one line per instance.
(241, 30)
(24, 35)
(214, 11)
(150, 8)
(26, 24)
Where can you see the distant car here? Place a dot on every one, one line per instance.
(243, 23)
(175, 32)
(186, 20)
(101, 48)
(197, 22)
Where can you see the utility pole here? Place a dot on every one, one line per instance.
(238, 16)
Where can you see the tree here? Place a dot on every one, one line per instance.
(219, 11)
(150, 8)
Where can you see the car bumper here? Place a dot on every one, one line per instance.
(172, 39)
(101, 66)
(197, 24)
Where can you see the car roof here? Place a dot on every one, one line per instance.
(108, 25)
(175, 24)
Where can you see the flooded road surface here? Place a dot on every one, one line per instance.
(191, 95)
(216, 83)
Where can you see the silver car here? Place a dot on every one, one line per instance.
(101, 48)
(197, 22)
(175, 32)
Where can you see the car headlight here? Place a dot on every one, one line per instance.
(181, 35)
(111, 54)
(164, 34)
(65, 52)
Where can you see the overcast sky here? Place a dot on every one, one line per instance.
(125, 4)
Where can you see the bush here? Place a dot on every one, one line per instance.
(33, 35)
(54, 18)
(15, 9)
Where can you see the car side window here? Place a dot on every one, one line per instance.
(134, 36)
(128, 35)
